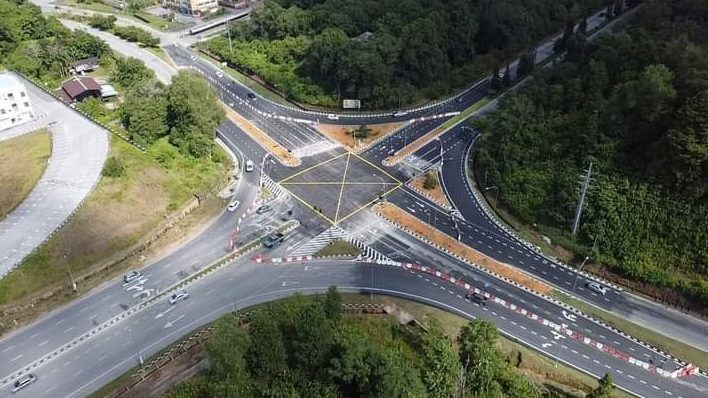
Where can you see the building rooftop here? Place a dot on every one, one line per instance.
(8, 81)
(78, 85)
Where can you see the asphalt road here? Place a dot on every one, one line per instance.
(118, 348)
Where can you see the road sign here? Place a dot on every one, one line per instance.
(351, 104)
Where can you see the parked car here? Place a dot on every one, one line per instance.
(233, 205)
(273, 239)
(131, 276)
(596, 287)
(23, 382)
(332, 116)
(178, 297)
(263, 209)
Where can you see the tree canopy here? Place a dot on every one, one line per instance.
(387, 52)
(302, 347)
(635, 104)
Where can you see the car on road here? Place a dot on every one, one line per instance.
(219, 74)
(332, 116)
(249, 166)
(192, 57)
(178, 297)
(23, 382)
(233, 205)
(264, 209)
(273, 239)
(596, 287)
(251, 96)
(131, 276)
(400, 114)
(478, 298)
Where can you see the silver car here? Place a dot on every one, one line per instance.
(131, 276)
(23, 382)
(596, 287)
(178, 297)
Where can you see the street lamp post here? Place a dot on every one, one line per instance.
(577, 272)
(496, 196)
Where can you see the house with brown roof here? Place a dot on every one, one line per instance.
(78, 88)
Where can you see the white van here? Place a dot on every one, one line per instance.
(249, 166)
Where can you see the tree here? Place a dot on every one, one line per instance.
(526, 63)
(480, 357)
(102, 22)
(583, 26)
(333, 304)
(93, 107)
(496, 84)
(266, 356)
(604, 389)
(431, 180)
(129, 71)
(193, 113)
(144, 114)
(440, 364)
(561, 43)
(113, 168)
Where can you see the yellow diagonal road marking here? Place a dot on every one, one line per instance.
(341, 191)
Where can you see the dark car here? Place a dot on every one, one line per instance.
(251, 96)
(23, 382)
(263, 209)
(273, 239)
(478, 298)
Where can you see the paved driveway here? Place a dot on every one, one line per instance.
(79, 148)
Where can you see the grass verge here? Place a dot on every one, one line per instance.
(344, 134)
(436, 194)
(22, 161)
(338, 248)
(117, 216)
(676, 348)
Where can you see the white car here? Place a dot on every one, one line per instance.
(178, 297)
(233, 205)
(400, 114)
(219, 74)
(23, 382)
(249, 166)
(596, 287)
(193, 58)
(332, 116)
(131, 276)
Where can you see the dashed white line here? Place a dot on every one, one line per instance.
(69, 330)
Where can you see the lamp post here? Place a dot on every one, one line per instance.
(496, 196)
(577, 272)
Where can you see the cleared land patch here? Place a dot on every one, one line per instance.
(357, 137)
(22, 161)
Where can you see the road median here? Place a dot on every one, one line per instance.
(269, 144)
(418, 228)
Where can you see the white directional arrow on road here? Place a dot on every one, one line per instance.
(289, 283)
(163, 313)
(557, 335)
(169, 324)
(569, 316)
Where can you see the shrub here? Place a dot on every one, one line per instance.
(431, 180)
(113, 168)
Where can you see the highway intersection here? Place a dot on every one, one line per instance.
(80, 347)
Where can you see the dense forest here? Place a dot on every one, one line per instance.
(305, 347)
(635, 104)
(387, 52)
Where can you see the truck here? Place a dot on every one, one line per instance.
(273, 239)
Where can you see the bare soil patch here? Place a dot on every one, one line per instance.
(344, 134)
(22, 161)
(399, 216)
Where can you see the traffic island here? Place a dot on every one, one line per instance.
(357, 138)
(425, 232)
(281, 153)
(424, 185)
(434, 134)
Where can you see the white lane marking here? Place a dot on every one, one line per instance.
(69, 330)
(34, 335)
(16, 358)
(42, 344)
(8, 349)
(642, 381)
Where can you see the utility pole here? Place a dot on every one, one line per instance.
(583, 191)
(228, 31)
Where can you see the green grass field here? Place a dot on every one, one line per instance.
(22, 161)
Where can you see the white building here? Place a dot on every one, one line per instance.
(193, 7)
(15, 106)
